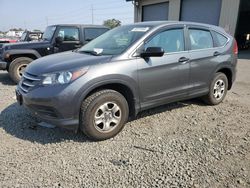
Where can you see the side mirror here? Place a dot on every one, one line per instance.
(59, 40)
(153, 52)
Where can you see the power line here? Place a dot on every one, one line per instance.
(85, 14)
(118, 13)
(83, 8)
(108, 8)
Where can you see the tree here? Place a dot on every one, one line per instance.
(16, 29)
(37, 30)
(112, 23)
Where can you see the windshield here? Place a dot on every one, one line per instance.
(23, 36)
(48, 34)
(115, 41)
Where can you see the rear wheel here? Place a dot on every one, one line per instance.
(218, 89)
(17, 68)
(103, 114)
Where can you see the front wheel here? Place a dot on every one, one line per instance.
(103, 114)
(218, 89)
(17, 68)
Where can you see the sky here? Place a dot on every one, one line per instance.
(36, 14)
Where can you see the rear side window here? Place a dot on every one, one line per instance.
(220, 39)
(200, 39)
(92, 33)
(170, 40)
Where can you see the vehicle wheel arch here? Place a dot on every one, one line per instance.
(228, 72)
(17, 66)
(117, 85)
(225, 69)
(13, 54)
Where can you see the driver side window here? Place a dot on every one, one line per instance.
(170, 41)
(69, 34)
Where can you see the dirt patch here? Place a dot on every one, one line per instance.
(184, 144)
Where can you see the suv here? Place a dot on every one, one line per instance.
(57, 38)
(127, 70)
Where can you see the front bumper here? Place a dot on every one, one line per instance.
(3, 65)
(51, 106)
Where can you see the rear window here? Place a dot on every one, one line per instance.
(220, 39)
(92, 33)
(200, 39)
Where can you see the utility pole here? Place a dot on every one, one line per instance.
(92, 13)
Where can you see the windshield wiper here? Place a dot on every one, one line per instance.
(92, 52)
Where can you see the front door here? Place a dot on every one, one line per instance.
(162, 79)
(71, 39)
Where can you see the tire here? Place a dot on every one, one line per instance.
(17, 67)
(217, 90)
(100, 109)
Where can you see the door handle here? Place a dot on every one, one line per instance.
(183, 60)
(217, 53)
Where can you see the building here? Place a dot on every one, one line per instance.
(12, 33)
(232, 15)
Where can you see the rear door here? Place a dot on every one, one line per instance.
(71, 38)
(162, 79)
(203, 58)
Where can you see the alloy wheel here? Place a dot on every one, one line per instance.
(219, 89)
(107, 117)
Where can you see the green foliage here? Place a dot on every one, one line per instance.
(16, 29)
(37, 30)
(112, 23)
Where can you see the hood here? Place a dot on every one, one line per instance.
(26, 45)
(64, 61)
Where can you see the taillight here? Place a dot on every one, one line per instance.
(235, 47)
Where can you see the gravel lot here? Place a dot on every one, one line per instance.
(184, 144)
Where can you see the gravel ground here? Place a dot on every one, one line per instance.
(184, 144)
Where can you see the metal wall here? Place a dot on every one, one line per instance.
(172, 13)
(149, 12)
(202, 11)
(228, 14)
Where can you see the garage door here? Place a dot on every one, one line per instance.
(204, 11)
(155, 12)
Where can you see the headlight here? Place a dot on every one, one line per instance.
(63, 77)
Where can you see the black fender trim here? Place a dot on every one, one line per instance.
(22, 51)
(102, 82)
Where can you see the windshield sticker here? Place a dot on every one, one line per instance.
(140, 29)
(98, 50)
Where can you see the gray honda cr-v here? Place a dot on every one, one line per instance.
(127, 70)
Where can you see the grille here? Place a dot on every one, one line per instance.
(28, 82)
